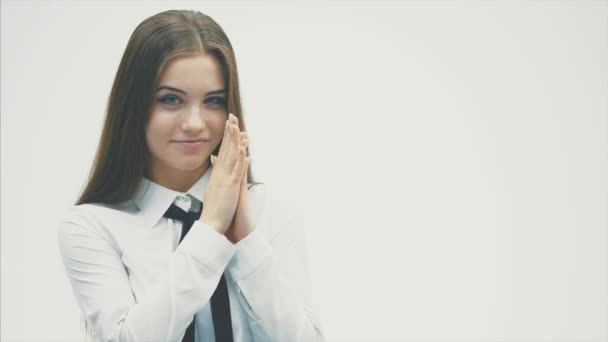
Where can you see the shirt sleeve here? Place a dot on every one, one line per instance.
(102, 289)
(273, 286)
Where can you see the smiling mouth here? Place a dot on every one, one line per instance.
(191, 141)
(191, 145)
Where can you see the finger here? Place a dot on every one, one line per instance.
(232, 141)
(239, 163)
(235, 146)
(237, 131)
(245, 168)
(231, 148)
(225, 145)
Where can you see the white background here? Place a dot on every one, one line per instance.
(450, 157)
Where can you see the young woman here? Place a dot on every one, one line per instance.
(171, 240)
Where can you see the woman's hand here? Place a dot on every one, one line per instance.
(223, 190)
(242, 224)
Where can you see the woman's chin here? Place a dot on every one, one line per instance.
(192, 165)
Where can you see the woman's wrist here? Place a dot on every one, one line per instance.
(214, 224)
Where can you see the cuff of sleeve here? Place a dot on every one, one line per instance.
(208, 247)
(251, 253)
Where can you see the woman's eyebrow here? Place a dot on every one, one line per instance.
(213, 92)
(171, 88)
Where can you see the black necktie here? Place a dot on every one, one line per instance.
(220, 304)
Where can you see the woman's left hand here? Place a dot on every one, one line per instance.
(242, 222)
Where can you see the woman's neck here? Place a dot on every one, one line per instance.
(175, 179)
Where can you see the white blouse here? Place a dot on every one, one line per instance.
(134, 281)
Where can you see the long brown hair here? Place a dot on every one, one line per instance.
(122, 157)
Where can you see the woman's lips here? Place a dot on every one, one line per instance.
(191, 145)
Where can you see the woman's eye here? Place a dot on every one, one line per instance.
(170, 100)
(215, 100)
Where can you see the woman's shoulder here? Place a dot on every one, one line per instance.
(91, 227)
(97, 211)
(94, 218)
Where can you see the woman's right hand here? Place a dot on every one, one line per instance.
(222, 191)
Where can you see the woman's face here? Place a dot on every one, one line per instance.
(188, 116)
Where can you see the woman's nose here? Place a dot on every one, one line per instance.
(195, 119)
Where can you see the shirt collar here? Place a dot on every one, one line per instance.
(154, 199)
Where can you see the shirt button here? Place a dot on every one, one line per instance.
(184, 202)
